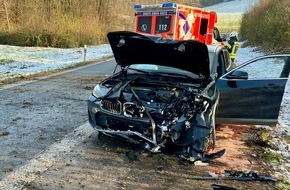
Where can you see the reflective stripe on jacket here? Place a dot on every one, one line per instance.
(234, 48)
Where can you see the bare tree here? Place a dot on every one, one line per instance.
(7, 15)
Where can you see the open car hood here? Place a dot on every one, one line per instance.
(132, 48)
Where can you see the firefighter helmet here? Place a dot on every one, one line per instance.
(234, 34)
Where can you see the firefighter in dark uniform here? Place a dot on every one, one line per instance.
(233, 45)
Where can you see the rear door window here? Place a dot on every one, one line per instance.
(144, 24)
(163, 23)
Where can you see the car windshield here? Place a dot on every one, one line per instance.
(158, 69)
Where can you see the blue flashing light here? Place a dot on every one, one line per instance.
(169, 5)
(137, 6)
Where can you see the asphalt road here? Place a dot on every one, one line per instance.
(37, 113)
(47, 143)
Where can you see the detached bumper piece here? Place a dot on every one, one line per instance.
(238, 175)
(222, 187)
(250, 176)
(195, 156)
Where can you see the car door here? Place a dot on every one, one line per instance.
(252, 92)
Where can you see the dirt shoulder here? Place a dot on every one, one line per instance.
(112, 164)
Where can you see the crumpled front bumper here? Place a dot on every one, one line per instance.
(120, 126)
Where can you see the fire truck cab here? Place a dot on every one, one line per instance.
(176, 21)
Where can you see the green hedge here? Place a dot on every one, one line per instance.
(267, 25)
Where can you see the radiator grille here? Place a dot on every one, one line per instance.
(113, 107)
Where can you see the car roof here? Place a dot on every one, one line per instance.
(214, 48)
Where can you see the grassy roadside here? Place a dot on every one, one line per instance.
(228, 22)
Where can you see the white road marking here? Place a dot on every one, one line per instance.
(27, 173)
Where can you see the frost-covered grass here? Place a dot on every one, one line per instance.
(15, 60)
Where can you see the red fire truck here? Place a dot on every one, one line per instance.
(176, 21)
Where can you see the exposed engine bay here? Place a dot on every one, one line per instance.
(159, 115)
(164, 97)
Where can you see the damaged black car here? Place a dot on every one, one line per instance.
(164, 96)
(169, 95)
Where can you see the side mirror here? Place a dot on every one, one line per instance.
(238, 75)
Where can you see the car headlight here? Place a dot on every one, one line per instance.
(100, 91)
